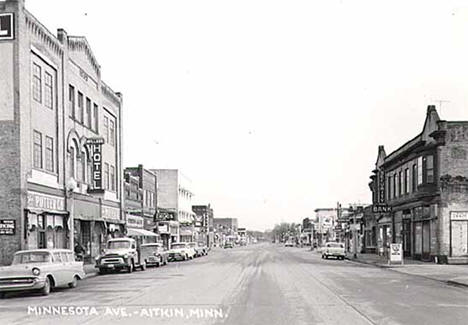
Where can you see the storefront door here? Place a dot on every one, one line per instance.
(406, 237)
(426, 238)
(459, 238)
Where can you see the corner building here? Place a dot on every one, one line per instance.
(420, 192)
(53, 191)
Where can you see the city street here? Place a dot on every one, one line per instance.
(259, 284)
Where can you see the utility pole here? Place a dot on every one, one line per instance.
(354, 235)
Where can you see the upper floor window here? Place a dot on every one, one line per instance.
(96, 120)
(112, 178)
(48, 90)
(420, 170)
(106, 129)
(49, 154)
(395, 190)
(400, 183)
(71, 100)
(429, 166)
(106, 176)
(37, 83)
(80, 107)
(414, 178)
(407, 180)
(389, 188)
(37, 150)
(88, 113)
(111, 132)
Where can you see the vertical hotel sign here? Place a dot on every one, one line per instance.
(95, 147)
(7, 26)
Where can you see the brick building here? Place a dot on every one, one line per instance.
(140, 202)
(420, 192)
(205, 214)
(57, 187)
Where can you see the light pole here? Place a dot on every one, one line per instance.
(70, 187)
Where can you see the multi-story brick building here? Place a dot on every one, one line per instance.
(420, 192)
(205, 214)
(56, 188)
(140, 201)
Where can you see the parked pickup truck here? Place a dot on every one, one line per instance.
(333, 249)
(120, 254)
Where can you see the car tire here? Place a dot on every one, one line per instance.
(74, 283)
(185, 257)
(47, 287)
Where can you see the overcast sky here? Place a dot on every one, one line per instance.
(273, 107)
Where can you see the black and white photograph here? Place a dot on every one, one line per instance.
(233, 162)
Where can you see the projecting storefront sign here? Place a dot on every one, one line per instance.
(381, 208)
(381, 186)
(135, 221)
(7, 29)
(45, 202)
(7, 227)
(95, 145)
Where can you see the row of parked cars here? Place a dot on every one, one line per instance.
(44, 269)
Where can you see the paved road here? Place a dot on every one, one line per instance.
(262, 284)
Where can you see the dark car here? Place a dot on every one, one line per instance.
(228, 245)
(155, 254)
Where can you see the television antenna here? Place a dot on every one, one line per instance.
(440, 102)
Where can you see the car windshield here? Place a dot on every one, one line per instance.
(335, 245)
(178, 246)
(31, 257)
(118, 244)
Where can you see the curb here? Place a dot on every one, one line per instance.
(394, 268)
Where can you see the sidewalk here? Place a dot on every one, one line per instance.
(450, 274)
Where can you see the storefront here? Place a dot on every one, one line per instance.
(384, 233)
(135, 229)
(458, 233)
(46, 220)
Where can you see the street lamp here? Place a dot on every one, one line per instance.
(70, 188)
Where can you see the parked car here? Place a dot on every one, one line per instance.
(289, 244)
(228, 245)
(120, 254)
(204, 247)
(154, 254)
(199, 251)
(181, 251)
(333, 249)
(41, 270)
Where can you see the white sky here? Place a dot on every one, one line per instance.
(272, 107)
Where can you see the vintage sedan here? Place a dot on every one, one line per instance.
(334, 249)
(41, 270)
(155, 254)
(181, 251)
(199, 251)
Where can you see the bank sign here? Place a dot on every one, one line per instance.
(7, 29)
(95, 146)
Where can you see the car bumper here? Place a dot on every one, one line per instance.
(35, 285)
(113, 266)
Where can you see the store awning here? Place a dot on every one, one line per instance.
(140, 232)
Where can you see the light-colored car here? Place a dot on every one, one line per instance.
(333, 249)
(41, 270)
(199, 251)
(289, 244)
(181, 251)
(154, 254)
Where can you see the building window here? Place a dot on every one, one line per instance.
(71, 100)
(72, 162)
(80, 107)
(429, 169)
(37, 83)
(395, 190)
(106, 129)
(407, 181)
(49, 154)
(400, 183)
(112, 178)
(48, 90)
(112, 132)
(389, 188)
(414, 178)
(37, 153)
(420, 170)
(88, 112)
(83, 167)
(79, 168)
(106, 176)
(96, 120)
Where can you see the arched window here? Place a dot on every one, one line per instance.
(84, 160)
(71, 160)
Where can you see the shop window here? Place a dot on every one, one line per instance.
(420, 170)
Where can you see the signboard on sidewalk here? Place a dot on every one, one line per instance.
(396, 253)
